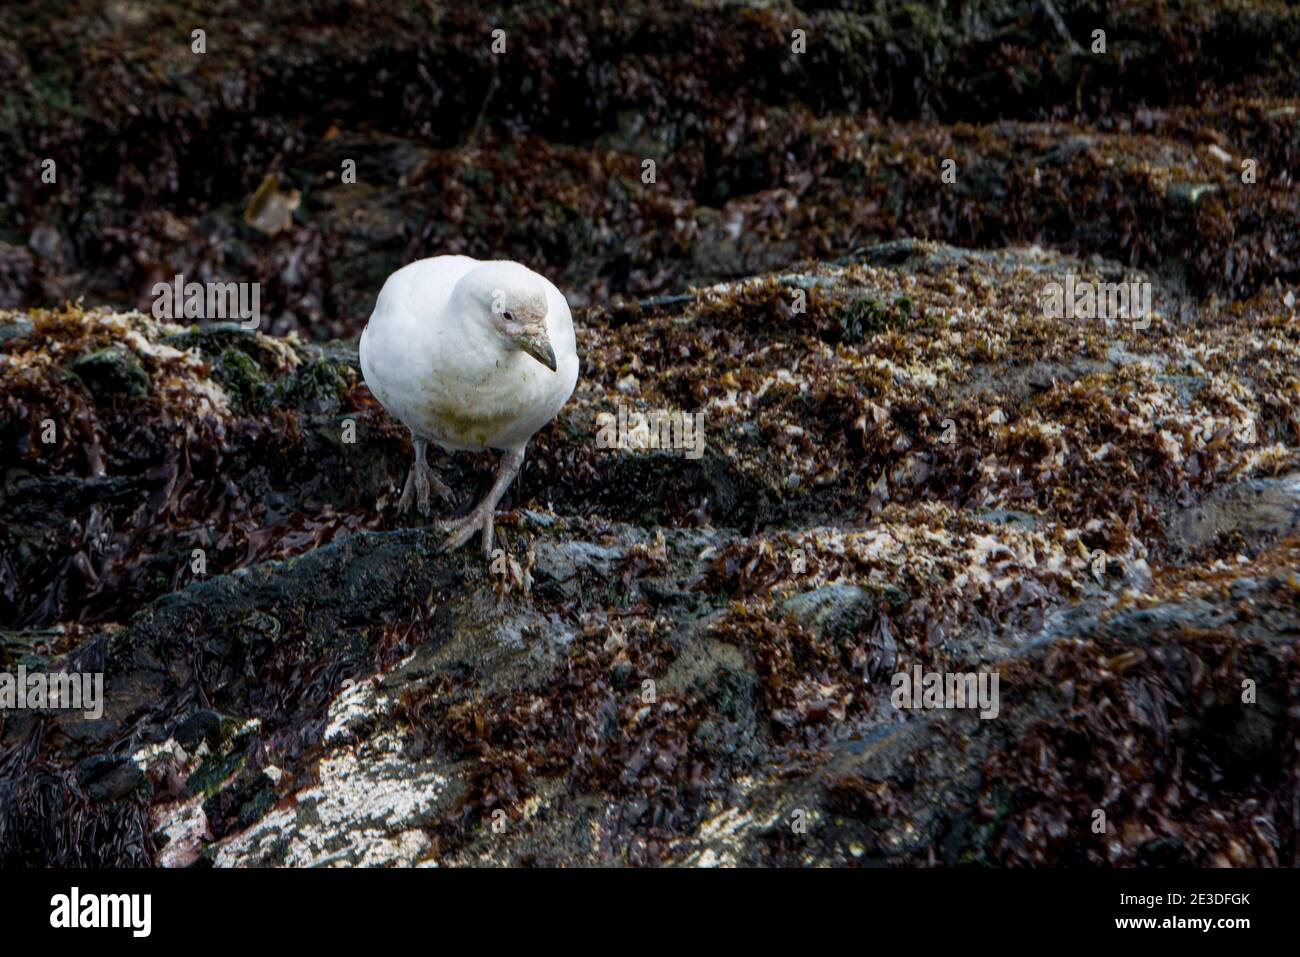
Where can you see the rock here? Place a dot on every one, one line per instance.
(1241, 515)
(688, 655)
(15, 329)
(240, 375)
(106, 777)
(316, 387)
(201, 726)
(817, 155)
(112, 371)
(834, 610)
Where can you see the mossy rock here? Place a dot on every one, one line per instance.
(241, 376)
(205, 725)
(248, 797)
(214, 340)
(110, 372)
(867, 316)
(317, 387)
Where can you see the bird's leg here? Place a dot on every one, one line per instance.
(421, 479)
(484, 512)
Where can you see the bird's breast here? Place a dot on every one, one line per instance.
(465, 425)
(459, 391)
(498, 410)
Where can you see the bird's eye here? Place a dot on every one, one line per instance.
(508, 316)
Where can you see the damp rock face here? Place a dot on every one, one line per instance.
(675, 658)
(331, 149)
(916, 465)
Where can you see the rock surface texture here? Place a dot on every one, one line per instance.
(679, 656)
(672, 659)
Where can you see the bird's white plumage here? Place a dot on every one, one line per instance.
(435, 364)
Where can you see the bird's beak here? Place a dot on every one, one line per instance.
(538, 345)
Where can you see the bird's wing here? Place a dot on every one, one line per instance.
(559, 320)
(419, 291)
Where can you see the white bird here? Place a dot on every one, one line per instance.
(469, 355)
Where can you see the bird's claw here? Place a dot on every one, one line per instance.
(440, 488)
(463, 529)
(420, 481)
(408, 493)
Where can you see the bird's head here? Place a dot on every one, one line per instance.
(510, 299)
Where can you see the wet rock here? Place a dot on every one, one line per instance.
(113, 371)
(1242, 515)
(15, 329)
(696, 654)
(241, 377)
(316, 387)
(240, 803)
(778, 158)
(106, 777)
(202, 726)
(833, 611)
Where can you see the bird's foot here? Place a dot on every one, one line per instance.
(420, 482)
(463, 529)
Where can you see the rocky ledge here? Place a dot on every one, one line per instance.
(679, 656)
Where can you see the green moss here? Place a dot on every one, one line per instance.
(230, 758)
(33, 648)
(262, 800)
(112, 371)
(867, 316)
(215, 339)
(317, 386)
(207, 780)
(240, 375)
